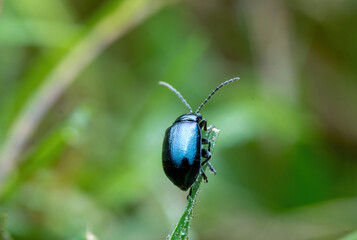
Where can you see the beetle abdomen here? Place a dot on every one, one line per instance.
(181, 153)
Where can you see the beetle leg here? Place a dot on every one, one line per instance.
(189, 194)
(206, 154)
(204, 175)
(211, 168)
(206, 141)
(203, 124)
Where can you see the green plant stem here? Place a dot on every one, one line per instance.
(181, 230)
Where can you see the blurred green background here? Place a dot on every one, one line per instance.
(82, 117)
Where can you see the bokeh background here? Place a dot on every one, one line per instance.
(82, 117)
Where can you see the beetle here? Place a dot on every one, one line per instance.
(182, 147)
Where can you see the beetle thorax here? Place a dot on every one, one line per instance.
(189, 117)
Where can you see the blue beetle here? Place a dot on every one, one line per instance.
(182, 148)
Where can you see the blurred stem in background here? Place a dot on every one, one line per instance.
(48, 148)
(116, 21)
(272, 48)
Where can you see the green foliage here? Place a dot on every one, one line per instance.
(82, 117)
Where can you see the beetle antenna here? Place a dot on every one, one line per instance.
(177, 93)
(214, 91)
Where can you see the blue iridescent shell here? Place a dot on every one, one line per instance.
(181, 155)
